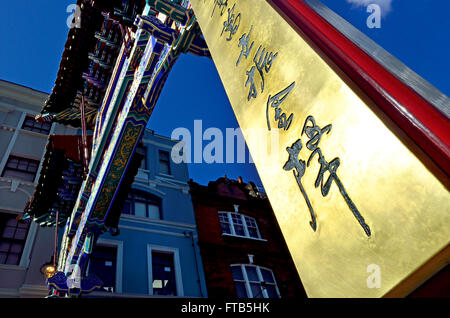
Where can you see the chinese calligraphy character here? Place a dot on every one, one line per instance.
(275, 102)
(331, 167)
(244, 42)
(264, 63)
(314, 134)
(222, 5)
(300, 167)
(232, 23)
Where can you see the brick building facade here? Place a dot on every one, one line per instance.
(242, 248)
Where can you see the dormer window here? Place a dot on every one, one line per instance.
(164, 162)
(237, 224)
(142, 150)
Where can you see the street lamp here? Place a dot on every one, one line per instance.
(48, 269)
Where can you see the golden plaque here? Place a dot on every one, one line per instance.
(363, 211)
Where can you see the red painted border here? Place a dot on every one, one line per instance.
(423, 122)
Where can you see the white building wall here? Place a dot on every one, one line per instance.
(16, 102)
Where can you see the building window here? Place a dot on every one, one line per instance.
(164, 162)
(103, 263)
(143, 151)
(237, 224)
(21, 168)
(163, 274)
(253, 281)
(32, 125)
(225, 223)
(143, 205)
(12, 240)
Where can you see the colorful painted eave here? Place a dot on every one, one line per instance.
(131, 96)
(60, 179)
(89, 55)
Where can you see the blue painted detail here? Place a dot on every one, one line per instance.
(88, 284)
(156, 28)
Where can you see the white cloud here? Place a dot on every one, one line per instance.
(385, 5)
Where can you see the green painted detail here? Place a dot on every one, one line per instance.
(184, 41)
(88, 244)
(125, 86)
(170, 9)
(123, 154)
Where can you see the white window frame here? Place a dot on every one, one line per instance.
(244, 223)
(260, 277)
(169, 163)
(176, 260)
(26, 253)
(119, 260)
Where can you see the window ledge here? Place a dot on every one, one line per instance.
(12, 267)
(139, 218)
(104, 294)
(9, 179)
(34, 133)
(166, 175)
(7, 128)
(245, 237)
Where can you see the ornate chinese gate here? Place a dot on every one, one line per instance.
(359, 177)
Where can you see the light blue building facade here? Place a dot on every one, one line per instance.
(156, 252)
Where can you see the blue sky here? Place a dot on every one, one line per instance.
(417, 32)
(33, 34)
